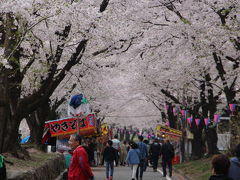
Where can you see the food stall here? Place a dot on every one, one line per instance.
(174, 136)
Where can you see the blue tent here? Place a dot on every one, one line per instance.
(25, 140)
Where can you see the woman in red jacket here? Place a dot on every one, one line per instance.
(79, 168)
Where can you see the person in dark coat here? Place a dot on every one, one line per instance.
(234, 170)
(109, 157)
(167, 153)
(154, 152)
(220, 165)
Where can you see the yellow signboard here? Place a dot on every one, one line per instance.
(160, 129)
(104, 129)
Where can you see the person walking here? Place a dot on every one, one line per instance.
(220, 165)
(79, 166)
(147, 158)
(234, 170)
(91, 147)
(133, 158)
(154, 151)
(143, 156)
(123, 153)
(167, 153)
(109, 157)
(116, 146)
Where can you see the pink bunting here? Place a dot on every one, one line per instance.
(216, 118)
(232, 107)
(174, 111)
(183, 112)
(189, 120)
(167, 107)
(197, 121)
(167, 123)
(206, 120)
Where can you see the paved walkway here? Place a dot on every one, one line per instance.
(124, 173)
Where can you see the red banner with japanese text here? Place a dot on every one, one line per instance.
(87, 126)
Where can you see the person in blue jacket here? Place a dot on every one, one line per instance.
(133, 158)
(234, 170)
(143, 156)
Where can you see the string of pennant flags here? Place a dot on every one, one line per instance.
(216, 118)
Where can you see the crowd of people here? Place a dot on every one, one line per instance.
(139, 155)
(136, 155)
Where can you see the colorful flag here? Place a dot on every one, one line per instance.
(189, 120)
(167, 123)
(166, 106)
(197, 121)
(184, 113)
(216, 118)
(174, 111)
(206, 120)
(232, 107)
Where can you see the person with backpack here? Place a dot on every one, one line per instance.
(167, 153)
(133, 158)
(143, 156)
(3, 173)
(109, 157)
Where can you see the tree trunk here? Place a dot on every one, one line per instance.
(172, 119)
(35, 124)
(38, 118)
(197, 144)
(235, 131)
(211, 138)
(9, 136)
(211, 107)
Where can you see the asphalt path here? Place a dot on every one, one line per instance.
(124, 173)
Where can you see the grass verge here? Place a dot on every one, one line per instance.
(38, 158)
(197, 170)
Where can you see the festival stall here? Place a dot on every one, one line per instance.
(80, 120)
(86, 126)
(174, 136)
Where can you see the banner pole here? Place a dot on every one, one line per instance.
(77, 118)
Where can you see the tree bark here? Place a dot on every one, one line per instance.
(37, 119)
(13, 107)
(235, 132)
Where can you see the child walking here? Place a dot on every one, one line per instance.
(109, 157)
(133, 158)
